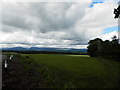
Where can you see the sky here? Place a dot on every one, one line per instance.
(56, 24)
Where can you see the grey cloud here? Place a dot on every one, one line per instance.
(54, 18)
(49, 16)
(59, 24)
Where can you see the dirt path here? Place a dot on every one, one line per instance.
(18, 76)
(12, 72)
(22, 72)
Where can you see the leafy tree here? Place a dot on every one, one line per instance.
(114, 40)
(94, 47)
(115, 48)
(105, 49)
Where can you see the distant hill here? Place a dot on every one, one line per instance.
(45, 49)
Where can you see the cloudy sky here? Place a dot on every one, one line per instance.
(56, 24)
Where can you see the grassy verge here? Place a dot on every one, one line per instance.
(24, 72)
(60, 71)
(82, 71)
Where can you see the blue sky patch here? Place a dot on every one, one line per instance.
(111, 29)
(95, 2)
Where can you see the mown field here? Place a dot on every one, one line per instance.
(81, 71)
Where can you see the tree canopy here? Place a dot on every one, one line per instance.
(117, 12)
(105, 49)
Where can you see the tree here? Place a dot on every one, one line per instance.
(106, 49)
(114, 41)
(117, 12)
(94, 47)
(115, 48)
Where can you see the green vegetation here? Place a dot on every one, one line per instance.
(78, 55)
(24, 72)
(105, 49)
(81, 71)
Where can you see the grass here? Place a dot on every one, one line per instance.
(23, 72)
(81, 70)
(78, 55)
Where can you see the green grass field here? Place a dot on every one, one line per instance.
(81, 70)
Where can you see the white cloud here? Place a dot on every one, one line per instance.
(109, 36)
(54, 24)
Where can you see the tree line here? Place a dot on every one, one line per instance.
(106, 49)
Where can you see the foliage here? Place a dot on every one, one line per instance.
(60, 71)
(94, 47)
(106, 49)
(24, 72)
(81, 71)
